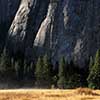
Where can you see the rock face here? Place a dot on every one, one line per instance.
(8, 9)
(26, 23)
(61, 31)
(66, 28)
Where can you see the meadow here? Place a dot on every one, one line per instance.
(53, 94)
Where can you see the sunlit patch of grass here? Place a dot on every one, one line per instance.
(75, 94)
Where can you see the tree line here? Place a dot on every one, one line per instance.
(45, 74)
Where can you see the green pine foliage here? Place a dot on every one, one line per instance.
(39, 72)
(47, 70)
(19, 69)
(72, 76)
(5, 62)
(62, 73)
(91, 63)
(73, 81)
(68, 75)
(7, 65)
(25, 68)
(94, 75)
(43, 72)
(29, 70)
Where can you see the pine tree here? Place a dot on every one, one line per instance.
(43, 72)
(19, 69)
(25, 68)
(73, 81)
(47, 70)
(62, 73)
(5, 62)
(30, 70)
(72, 76)
(94, 75)
(11, 70)
(39, 72)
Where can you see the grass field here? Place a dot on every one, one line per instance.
(35, 94)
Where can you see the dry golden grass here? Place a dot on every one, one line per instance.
(35, 94)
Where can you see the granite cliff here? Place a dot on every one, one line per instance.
(68, 28)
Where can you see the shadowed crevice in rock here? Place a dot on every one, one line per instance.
(8, 9)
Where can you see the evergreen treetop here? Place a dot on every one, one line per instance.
(94, 75)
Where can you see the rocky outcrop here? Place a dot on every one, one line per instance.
(8, 9)
(71, 30)
(61, 30)
(90, 40)
(26, 23)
